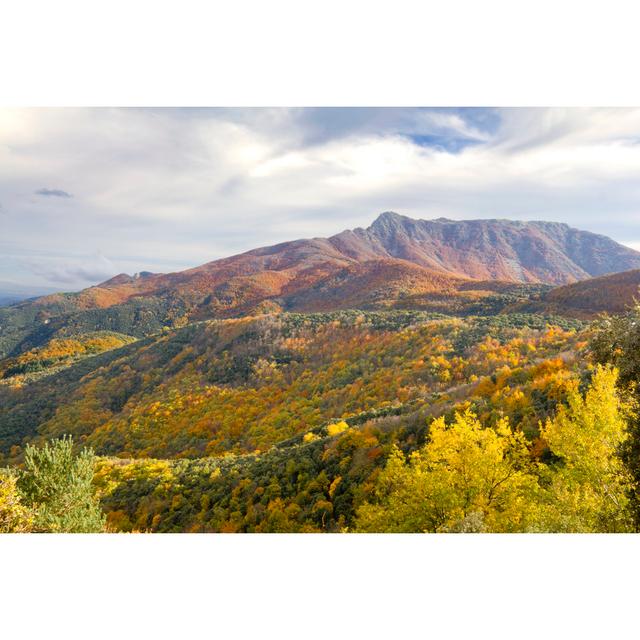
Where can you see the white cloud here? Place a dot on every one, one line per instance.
(167, 189)
(66, 271)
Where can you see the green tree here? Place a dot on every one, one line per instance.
(14, 516)
(57, 485)
(588, 485)
(466, 478)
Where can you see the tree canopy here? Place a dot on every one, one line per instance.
(474, 478)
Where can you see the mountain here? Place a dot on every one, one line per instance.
(538, 252)
(266, 391)
(7, 298)
(548, 252)
(462, 267)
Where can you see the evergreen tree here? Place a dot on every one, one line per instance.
(57, 485)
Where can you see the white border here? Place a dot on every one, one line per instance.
(77, 52)
(314, 586)
(335, 52)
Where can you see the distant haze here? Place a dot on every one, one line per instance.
(89, 193)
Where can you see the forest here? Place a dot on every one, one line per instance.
(348, 421)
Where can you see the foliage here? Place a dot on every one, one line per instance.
(14, 516)
(587, 480)
(292, 422)
(57, 486)
(616, 341)
(58, 353)
(337, 427)
(30, 325)
(473, 478)
(466, 478)
(248, 384)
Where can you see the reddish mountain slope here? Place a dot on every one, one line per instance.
(547, 252)
(529, 252)
(613, 294)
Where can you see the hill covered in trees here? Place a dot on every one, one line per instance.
(613, 294)
(242, 385)
(322, 422)
(285, 422)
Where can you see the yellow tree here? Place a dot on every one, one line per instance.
(14, 516)
(588, 486)
(466, 478)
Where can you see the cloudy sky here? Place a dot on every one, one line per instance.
(88, 193)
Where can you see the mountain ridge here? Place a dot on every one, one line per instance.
(446, 266)
(549, 252)
(524, 251)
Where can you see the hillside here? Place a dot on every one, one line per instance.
(266, 391)
(11, 293)
(612, 294)
(239, 385)
(139, 306)
(279, 423)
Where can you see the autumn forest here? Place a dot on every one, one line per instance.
(310, 389)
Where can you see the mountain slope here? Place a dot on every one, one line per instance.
(614, 294)
(547, 252)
